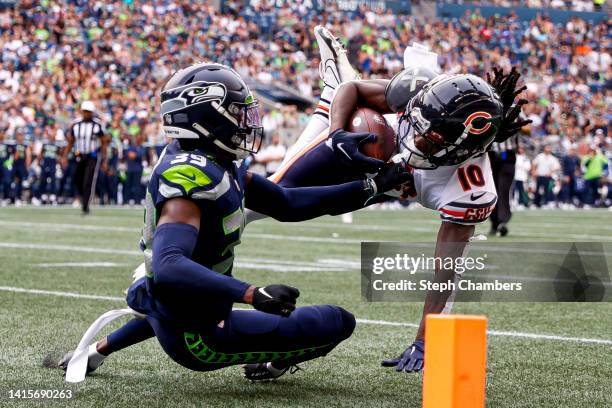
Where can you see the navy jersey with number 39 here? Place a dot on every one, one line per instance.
(219, 194)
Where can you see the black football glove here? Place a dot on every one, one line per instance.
(275, 299)
(411, 360)
(346, 146)
(505, 86)
(389, 177)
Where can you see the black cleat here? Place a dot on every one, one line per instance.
(503, 230)
(265, 371)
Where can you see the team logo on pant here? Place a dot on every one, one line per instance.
(205, 354)
(473, 126)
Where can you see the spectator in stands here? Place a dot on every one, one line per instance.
(545, 169)
(118, 53)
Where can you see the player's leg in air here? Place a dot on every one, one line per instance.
(310, 162)
(334, 69)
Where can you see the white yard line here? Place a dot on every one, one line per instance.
(69, 248)
(79, 265)
(533, 336)
(242, 262)
(292, 237)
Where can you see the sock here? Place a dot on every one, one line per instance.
(134, 331)
(318, 122)
(324, 104)
(94, 359)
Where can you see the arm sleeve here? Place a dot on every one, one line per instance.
(303, 203)
(173, 244)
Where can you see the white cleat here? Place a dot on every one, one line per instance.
(334, 68)
(347, 218)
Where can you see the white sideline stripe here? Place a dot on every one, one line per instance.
(251, 263)
(284, 268)
(80, 264)
(69, 248)
(57, 293)
(533, 336)
(298, 238)
(78, 227)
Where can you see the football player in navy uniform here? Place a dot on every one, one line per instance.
(68, 163)
(22, 158)
(49, 154)
(5, 154)
(445, 124)
(194, 217)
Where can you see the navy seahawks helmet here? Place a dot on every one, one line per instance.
(458, 116)
(212, 103)
(405, 85)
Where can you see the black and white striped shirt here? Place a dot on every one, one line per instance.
(87, 135)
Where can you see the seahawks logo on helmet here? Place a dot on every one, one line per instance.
(192, 94)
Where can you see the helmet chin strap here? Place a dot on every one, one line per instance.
(414, 157)
(239, 153)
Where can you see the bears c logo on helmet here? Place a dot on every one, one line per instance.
(478, 130)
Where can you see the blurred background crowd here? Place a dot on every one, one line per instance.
(55, 54)
(577, 5)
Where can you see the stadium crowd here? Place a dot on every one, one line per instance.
(56, 54)
(576, 5)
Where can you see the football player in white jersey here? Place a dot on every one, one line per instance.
(445, 126)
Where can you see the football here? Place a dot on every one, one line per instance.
(368, 120)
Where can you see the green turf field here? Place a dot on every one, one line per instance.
(41, 250)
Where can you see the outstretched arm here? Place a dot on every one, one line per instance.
(452, 241)
(304, 203)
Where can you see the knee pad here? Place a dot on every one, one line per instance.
(348, 323)
(326, 321)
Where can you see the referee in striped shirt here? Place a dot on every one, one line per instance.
(89, 141)
(503, 163)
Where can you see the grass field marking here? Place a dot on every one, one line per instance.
(61, 226)
(59, 293)
(292, 237)
(243, 262)
(70, 248)
(533, 336)
(79, 265)
(314, 224)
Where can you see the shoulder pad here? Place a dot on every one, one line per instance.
(191, 175)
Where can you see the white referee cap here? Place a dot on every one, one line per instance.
(88, 106)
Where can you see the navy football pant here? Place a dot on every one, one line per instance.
(246, 336)
(19, 174)
(47, 179)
